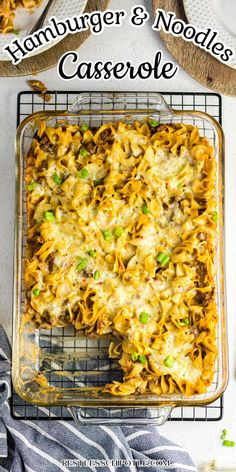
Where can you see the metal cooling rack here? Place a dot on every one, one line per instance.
(29, 102)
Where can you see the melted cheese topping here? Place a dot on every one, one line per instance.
(121, 241)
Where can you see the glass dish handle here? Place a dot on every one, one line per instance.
(94, 98)
(162, 415)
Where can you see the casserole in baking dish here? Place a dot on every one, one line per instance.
(122, 242)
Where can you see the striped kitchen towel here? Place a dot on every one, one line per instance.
(44, 446)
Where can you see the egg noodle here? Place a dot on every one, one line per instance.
(121, 243)
(7, 12)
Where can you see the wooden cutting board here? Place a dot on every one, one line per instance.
(198, 63)
(50, 58)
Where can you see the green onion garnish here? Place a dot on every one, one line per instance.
(180, 185)
(144, 316)
(134, 356)
(15, 32)
(36, 292)
(214, 216)
(228, 443)
(82, 264)
(163, 258)
(84, 128)
(118, 231)
(83, 174)
(169, 361)
(145, 209)
(96, 275)
(185, 322)
(57, 179)
(83, 152)
(92, 253)
(32, 186)
(106, 235)
(142, 359)
(154, 123)
(224, 433)
(49, 216)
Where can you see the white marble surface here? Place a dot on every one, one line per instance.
(200, 439)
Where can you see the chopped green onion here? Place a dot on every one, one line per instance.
(180, 185)
(82, 264)
(118, 231)
(83, 174)
(92, 253)
(145, 209)
(165, 260)
(83, 152)
(161, 256)
(15, 32)
(49, 216)
(106, 235)
(214, 216)
(228, 443)
(224, 433)
(57, 179)
(154, 123)
(144, 316)
(32, 186)
(134, 356)
(84, 128)
(169, 361)
(96, 275)
(142, 359)
(185, 322)
(36, 292)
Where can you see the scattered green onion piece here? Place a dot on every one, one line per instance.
(83, 174)
(214, 216)
(134, 356)
(83, 152)
(92, 253)
(84, 128)
(49, 216)
(145, 209)
(154, 123)
(224, 434)
(228, 443)
(144, 316)
(118, 231)
(96, 275)
(142, 359)
(186, 321)
(57, 179)
(169, 361)
(36, 292)
(16, 32)
(106, 235)
(165, 260)
(161, 256)
(82, 264)
(32, 186)
(180, 185)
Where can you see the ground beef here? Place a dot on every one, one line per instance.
(91, 148)
(204, 299)
(105, 134)
(50, 262)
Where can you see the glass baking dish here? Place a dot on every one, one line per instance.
(73, 368)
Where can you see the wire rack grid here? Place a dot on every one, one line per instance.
(65, 338)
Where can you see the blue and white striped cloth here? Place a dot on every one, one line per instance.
(44, 446)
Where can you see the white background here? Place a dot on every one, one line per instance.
(137, 45)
